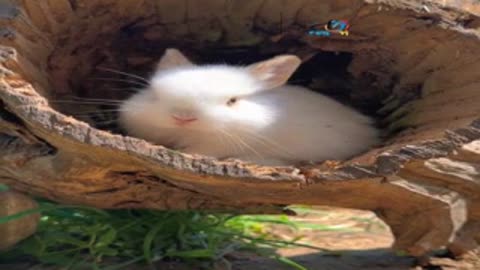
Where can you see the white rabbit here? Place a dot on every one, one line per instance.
(243, 112)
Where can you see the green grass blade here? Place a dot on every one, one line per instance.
(28, 212)
(289, 262)
(148, 241)
(192, 254)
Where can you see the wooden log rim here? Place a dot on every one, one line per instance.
(424, 182)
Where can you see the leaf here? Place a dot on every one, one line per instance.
(106, 251)
(32, 246)
(59, 259)
(195, 253)
(148, 240)
(56, 238)
(107, 238)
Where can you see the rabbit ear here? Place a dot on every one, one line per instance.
(173, 58)
(275, 71)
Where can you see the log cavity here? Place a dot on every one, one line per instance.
(399, 67)
(112, 74)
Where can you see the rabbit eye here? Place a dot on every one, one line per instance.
(232, 101)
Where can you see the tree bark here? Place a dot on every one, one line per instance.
(424, 183)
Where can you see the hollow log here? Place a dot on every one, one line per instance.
(423, 57)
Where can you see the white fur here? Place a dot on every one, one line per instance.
(278, 126)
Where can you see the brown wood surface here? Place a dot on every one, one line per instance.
(424, 182)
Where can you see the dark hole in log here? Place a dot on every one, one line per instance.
(7, 116)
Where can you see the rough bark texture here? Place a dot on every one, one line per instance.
(424, 182)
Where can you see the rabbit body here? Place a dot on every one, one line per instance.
(246, 113)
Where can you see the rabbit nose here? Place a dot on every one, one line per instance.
(183, 113)
(183, 117)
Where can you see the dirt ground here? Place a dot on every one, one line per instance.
(356, 240)
(362, 242)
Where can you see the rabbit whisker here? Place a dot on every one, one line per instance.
(142, 79)
(95, 99)
(85, 102)
(126, 89)
(103, 111)
(119, 80)
(234, 143)
(271, 145)
(246, 145)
